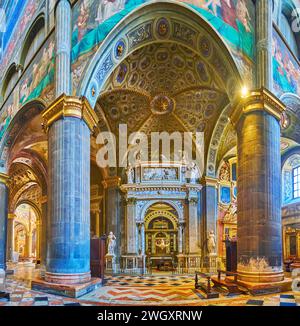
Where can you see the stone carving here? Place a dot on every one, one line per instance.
(211, 242)
(111, 239)
(193, 172)
(231, 214)
(155, 174)
(130, 174)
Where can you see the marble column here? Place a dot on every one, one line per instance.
(259, 187)
(113, 209)
(264, 28)
(69, 122)
(10, 236)
(180, 238)
(38, 239)
(3, 219)
(131, 227)
(43, 235)
(193, 226)
(63, 32)
(209, 210)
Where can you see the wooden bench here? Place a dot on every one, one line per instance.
(229, 282)
(205, 286)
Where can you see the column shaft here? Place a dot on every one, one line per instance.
(264, 30)
(63, 47)
(10, 236)
(69, 200)
(259, 230)
(3, 222)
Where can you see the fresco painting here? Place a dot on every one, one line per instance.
(17, 33)
(7, 115)
(38, 80)
(286, 70)
(233, 19)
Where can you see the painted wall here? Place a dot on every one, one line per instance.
(286, 70)
(24, 10)
(36, 82)
(93, 20)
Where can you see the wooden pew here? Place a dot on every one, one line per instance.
(205, 286)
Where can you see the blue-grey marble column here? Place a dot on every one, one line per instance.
(63, 32)
(69, 201)
(3, 219)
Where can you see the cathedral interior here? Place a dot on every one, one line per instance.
(73, 72)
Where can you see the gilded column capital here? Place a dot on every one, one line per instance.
(4, 178)
(111, 182)
(258, 100)
(70, 106)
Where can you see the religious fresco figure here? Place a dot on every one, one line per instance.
(107, 8)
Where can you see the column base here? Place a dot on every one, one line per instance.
(66, 290)
(68, 279)
(260, 277)
(268, 287)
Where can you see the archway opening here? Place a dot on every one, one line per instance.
(161, 237)
(26, 233)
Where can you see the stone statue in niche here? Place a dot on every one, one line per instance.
(193, 172)
(130, 174)
(111, 239)
(211, 242)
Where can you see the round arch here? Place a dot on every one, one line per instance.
(171, 203)
(149, 217)
(25, 113)
(161, 22)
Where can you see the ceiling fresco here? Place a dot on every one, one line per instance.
(234, 20)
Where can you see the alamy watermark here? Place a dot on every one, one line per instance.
(128, 150)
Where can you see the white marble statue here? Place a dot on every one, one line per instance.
(130, 174)
(111, 239)
(193, 172)
(211, 242)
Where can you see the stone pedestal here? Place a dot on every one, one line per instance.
(259, 231)
(110, 264)
(212, 263)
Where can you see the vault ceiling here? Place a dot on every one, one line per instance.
(162, 87)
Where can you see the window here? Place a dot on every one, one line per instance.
(296, 182)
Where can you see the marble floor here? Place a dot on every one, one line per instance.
(159, 289)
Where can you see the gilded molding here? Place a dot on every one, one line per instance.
(111, 182)
(258, 100)
(4, 178)
(70, 106)
(11, 216)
